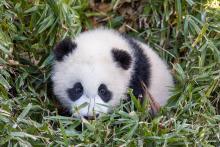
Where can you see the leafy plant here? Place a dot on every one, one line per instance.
(184, 33)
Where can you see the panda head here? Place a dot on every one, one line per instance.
(91, 73)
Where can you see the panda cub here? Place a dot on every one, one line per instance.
(93, 72)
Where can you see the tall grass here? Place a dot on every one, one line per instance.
(185, 33)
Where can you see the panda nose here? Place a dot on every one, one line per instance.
(91, 117)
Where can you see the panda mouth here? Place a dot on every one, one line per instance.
(91, 117)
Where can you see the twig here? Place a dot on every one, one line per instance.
(155, 106)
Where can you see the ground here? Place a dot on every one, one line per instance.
(186, 34)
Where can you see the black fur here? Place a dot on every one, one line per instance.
(104, 93)
(122, 58)
(63, 48)
(76, 92)
(141, 68)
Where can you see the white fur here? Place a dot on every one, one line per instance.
(91, 63)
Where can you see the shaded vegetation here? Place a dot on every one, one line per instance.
(186, 34)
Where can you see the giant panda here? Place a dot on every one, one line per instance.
(93, 72)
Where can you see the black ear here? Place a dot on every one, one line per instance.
(63, 48)
(123, 58)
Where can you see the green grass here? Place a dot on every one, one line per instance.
(186, 34)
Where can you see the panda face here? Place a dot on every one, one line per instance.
(91, 75)
(96, 104)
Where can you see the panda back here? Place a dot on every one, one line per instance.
(160, 80)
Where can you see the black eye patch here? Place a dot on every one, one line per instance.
(104, 93)
(76, 92)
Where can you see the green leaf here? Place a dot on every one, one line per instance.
(24, 112)
(23, 135)
(4, 82)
